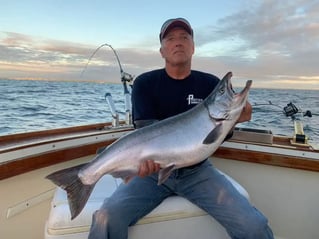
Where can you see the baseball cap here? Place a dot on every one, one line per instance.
(175, 22)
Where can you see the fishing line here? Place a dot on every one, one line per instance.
(267, 104)
(290, 110)
(96, 50)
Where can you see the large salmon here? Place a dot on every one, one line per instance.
(179, 141)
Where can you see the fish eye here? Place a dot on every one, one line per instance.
(221, 90)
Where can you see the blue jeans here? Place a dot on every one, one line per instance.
(201, 184)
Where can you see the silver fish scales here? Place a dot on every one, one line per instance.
(179, 141)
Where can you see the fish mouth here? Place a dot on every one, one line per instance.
(230, 89)
(244, 92)
(247, 87)
(226, 99)
(241, 97)
(238, 98)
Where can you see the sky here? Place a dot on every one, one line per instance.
(274, 43)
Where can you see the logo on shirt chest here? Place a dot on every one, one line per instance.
(193, 101)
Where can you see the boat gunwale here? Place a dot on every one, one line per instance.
(44, 137)
(32, 162)
(25, 141)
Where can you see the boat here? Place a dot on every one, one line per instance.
(278, 174)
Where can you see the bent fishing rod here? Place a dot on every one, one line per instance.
(125, 78)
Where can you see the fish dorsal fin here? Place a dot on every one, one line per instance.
(213, 135)
(164, 173)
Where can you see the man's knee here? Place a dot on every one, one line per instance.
(99, 226)
(100, 217)
(257, 227)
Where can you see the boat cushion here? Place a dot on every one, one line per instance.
(59, 225)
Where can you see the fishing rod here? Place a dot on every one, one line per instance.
(125, 78)
(291, 110)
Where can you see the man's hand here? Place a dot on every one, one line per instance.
(148, 167)
(246, 113)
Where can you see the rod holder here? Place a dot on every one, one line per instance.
(128, 113)
(115, 115)
(299, 136)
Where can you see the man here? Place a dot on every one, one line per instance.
(159, 94)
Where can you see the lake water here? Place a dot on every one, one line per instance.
(38, 105)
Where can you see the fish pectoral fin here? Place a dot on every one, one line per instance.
(164, 173)
(213, 135)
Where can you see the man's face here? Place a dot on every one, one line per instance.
(177, 47)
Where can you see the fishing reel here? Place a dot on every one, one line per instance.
(290, 110)
(126, 77)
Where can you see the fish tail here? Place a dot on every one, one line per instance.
(77, 192)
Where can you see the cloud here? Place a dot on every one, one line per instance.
(274, 38)
(23, 56)
(275, 43)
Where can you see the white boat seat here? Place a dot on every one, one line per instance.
(175, 217)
